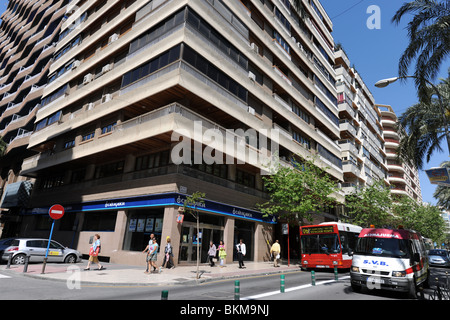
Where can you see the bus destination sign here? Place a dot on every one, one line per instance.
(316, 230)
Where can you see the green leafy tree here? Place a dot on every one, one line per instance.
(297, 191)
(191, 205)
(423, 125)
(429, 40)
(429, 222)
(370, 205)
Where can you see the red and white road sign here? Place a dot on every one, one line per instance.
(56, 211)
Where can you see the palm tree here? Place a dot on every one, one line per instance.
(442, 193)
(423, 126)
(429, 40)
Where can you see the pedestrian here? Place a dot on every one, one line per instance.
(275, 252)
(212, 253)
(241, 251)
(168, 256)
(147, 249)
(153, 253)
(93, 253)
(222, 254)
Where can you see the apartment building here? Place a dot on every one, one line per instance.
(404, 179)
(129, 76)
(28, 32)
(362, 141)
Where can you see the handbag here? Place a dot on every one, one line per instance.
(94, 253)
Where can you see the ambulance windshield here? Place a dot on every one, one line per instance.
(383, 247)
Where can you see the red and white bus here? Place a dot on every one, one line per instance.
(328, 245)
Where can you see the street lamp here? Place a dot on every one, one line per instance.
(385, 82)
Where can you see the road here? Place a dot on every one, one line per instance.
(263, 287)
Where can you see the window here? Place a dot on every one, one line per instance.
(209, 70)
(154, 160)
(110, 169)
(245, 178)
(305, 142)
(88, 136)
(149, 67)
(100, 221)
(108, 128)
(69, 144)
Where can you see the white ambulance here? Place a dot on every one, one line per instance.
(389, 259)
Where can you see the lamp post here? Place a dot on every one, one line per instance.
(385, 82)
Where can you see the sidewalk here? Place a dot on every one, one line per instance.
(124, 275)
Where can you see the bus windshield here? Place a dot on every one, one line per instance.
(383, 247)
(320, 243)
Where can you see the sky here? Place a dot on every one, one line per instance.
(375, 54)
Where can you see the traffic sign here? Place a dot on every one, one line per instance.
(56, 212)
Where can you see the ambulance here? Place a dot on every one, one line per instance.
(391, 259)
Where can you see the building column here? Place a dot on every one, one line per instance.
(170, 229)
(228, 239)
(263, 241)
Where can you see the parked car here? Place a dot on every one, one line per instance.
(36, 249)
(5, 243)
(439, 257)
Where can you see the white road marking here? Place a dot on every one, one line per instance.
(271, 293)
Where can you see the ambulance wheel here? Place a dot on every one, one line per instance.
(356, 288)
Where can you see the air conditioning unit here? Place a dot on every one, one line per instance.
(251, 76)
(107, 97)
(113, 38)
(106, 68)
(90, 106)
(251, 110)
(76, 64)
(87, 78)
(254, 47)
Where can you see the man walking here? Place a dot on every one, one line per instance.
(275, 252)
(241, 251)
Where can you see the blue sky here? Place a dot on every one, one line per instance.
(375, 54)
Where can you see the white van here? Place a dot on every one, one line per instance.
(389, 259)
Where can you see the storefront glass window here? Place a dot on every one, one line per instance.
(142, 223)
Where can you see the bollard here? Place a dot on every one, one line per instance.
(43, 266)
(313, 277)
(336, 274)
(25, 267)
(164, 295)
(236, 290)
(8, 266)
(282, 283)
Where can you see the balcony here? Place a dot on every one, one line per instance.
(133, 133)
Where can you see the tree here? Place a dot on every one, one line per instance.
(370, 205)
(423, 126)
(429, 222)
(190, 206)
(3, 146)
(442, 193)
(297, 191)
(429, 40)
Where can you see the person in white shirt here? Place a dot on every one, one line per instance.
(241, 251)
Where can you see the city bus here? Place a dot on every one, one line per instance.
(328, 245)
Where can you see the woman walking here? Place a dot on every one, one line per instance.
(93, 253)
(222, 254)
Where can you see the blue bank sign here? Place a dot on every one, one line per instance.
(161, 200)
